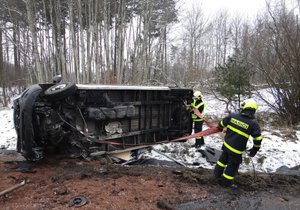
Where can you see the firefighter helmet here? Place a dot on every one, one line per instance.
(249, 104)
(197, 94)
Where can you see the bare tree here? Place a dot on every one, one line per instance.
(197, 39)
(36, 55)
(222, 35)
(2, 72)
(276, 55)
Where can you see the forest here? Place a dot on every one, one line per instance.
(151, 42)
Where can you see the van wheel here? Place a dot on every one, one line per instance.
(60, 91)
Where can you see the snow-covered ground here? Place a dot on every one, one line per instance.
(8, 136)
(278, 148)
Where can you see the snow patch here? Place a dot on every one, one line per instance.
(277, 150)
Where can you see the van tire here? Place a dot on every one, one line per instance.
(60, 91)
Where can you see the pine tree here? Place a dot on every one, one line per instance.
(232, 80)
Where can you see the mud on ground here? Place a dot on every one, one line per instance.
(63, 183)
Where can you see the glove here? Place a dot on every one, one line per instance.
(220, 129)
(252, 152)
(188, 108)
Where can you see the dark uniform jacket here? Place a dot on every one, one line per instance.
(240, 126)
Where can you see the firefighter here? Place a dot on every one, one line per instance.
(239, 127)
(198, 121)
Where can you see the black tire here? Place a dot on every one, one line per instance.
(60, 91)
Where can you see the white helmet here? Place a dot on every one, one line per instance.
(197, 94)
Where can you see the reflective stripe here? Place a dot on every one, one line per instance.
(238, 131)
(198, 120)
(228, 177)
(232, 149)
(202, 103)
(258, 138)
(194, 104)
(222, 124)
(221, 164)
(256, 145)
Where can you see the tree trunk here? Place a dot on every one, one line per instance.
(16, 39)
(106, 34)
(36, 56)
(74, 62)
(81, 45)
(2, 73)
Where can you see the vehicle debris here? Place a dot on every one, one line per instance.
(211, 154)
(123, 156)
(12, 188)
(290, 171)
(78, 201)
(167, 156)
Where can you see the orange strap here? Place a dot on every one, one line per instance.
(209, 124)
(206, 132)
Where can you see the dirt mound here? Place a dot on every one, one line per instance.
(61, 183)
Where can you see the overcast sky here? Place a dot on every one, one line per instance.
(246, 8)
(249, 7)
(243, 7)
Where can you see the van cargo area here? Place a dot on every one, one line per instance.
(68, 118)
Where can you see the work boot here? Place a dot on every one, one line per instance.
(196, 145)
(231, 185)
(218, 171)
(199, 142)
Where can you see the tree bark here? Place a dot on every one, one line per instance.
(2, 73)
(36, 56)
